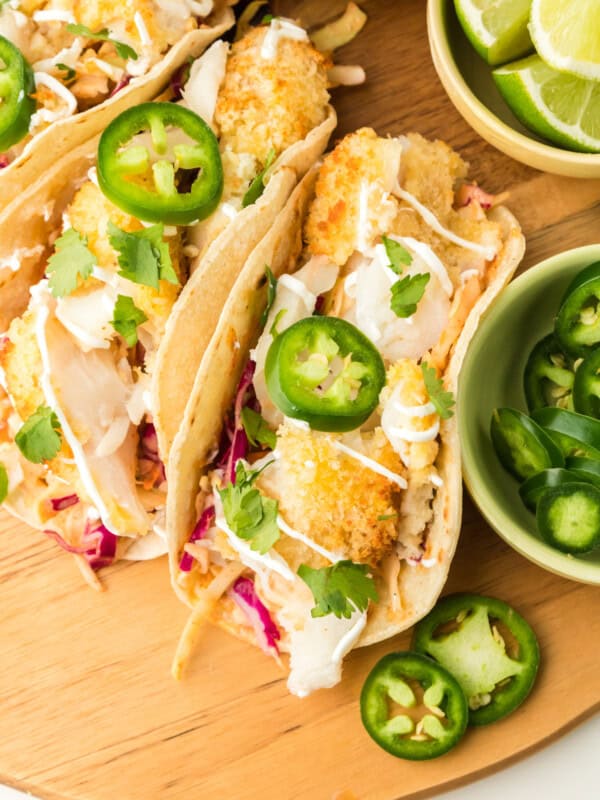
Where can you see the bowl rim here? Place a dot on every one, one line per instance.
(494, 513)
(456, 87)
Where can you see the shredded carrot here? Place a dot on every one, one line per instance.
(153, 476)
(464, 300)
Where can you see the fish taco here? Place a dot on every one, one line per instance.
(126, 250)
(267, 99)
(72, 66)
(316, 503)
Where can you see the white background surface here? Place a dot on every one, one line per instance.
(568, 769)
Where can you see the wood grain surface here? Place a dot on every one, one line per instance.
(88, 710)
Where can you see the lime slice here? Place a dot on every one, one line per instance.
(556, 105)
(566, 34)
(497, 29)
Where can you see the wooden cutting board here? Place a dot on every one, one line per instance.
(88, 710)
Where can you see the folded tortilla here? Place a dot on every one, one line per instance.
(367, 188)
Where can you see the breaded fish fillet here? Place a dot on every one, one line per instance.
(269, 103)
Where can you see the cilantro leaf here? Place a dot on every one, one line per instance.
(257, 185)
(3, 483)
(126, 318)
(442, 400)
(39, 437)
(72, 258)
(257, 430)
(267, 19)
(123, 50)
(340, 589)
(249, 514)
(397, 254)
(69, 71)
(407, 292)
(271, 293)
(143, 255)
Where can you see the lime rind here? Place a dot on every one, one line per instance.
(498, 29)
(470, 20)
(557, 106)
(566, 34)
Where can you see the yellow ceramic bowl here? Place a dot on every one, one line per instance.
(468, 81)
(492, 377)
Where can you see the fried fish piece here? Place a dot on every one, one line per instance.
(89, 213)
(332, 497)
(269, 103)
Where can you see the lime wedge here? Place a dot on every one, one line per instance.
(555, 105)
(497, 29)
(566, 34)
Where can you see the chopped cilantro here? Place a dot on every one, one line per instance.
(442, 400)
(3, 483)
(69, 72)
(72, 258)
(271, 293)
(273, 329)
(123, 50)
(126, 318)
(257, 185)
(39, 437)
(257, 430)
(384, 517)
(397, 254)
(340, 589)
(407, 292)
(249, 514)
(267, 19)
(143, 255)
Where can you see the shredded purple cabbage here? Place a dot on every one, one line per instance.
(469, 192)
(202, 527)
(60, 503)
(234, 430)
(99, 545)
(179, 80)
(234, 445)
(244, 594)
(125, 80)
(106, 548)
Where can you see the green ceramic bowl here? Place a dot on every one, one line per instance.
(468, 81)
(492, 376)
